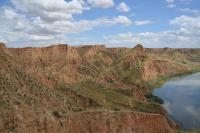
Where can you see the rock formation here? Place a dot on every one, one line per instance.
(65, 88)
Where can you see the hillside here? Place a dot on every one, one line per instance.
(65, 88)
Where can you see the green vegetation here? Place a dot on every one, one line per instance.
(115, 99)
(106, 97)
(153, 99)
(3, 104)
(126, 92)
(148, 107)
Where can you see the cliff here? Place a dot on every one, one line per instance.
(65, 88)
(87, 122)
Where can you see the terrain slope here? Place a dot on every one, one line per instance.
(90, 89)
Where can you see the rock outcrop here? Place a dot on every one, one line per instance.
(2, 45)
(139, 49)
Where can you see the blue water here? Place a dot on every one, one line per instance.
(181, 98)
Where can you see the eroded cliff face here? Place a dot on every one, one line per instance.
(155, 68)
(61, 88)
(85, 122)
(55, 62)
(48, 55)
(162, 62)
(69, 64)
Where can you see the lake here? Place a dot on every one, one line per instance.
(181, 98)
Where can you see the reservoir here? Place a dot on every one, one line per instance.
(181, 98)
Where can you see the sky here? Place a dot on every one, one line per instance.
(114, 23)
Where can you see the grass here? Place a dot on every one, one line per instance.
(126, 92)
(106, 97)
(114, 99)
(148, 107)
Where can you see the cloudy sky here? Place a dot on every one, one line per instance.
(115, 23)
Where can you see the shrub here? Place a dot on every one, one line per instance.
(116, 109)
(56, 114)
(151, 98)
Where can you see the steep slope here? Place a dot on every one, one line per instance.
(87, 88)
(25, 99)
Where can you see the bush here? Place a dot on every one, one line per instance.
(56, 114)
(151, 98)
(116, 109)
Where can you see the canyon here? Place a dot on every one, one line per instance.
(88, 89)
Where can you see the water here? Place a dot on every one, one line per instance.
(181, 98)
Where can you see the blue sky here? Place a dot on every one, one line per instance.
(115, 23)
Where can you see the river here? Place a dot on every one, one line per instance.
(181, 98)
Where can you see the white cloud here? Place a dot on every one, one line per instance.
(142, 22)
(171, 3)
(40, 31)
(188, 10)
(50, 11)
(124, 37)
(2, 40)
(121, 40)
(41, 21)
(41, 37)
(185, 34)
(44, 21)
(187, 22)
(122, 7)
(123, 20)
(101, 3)
(16, 28)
